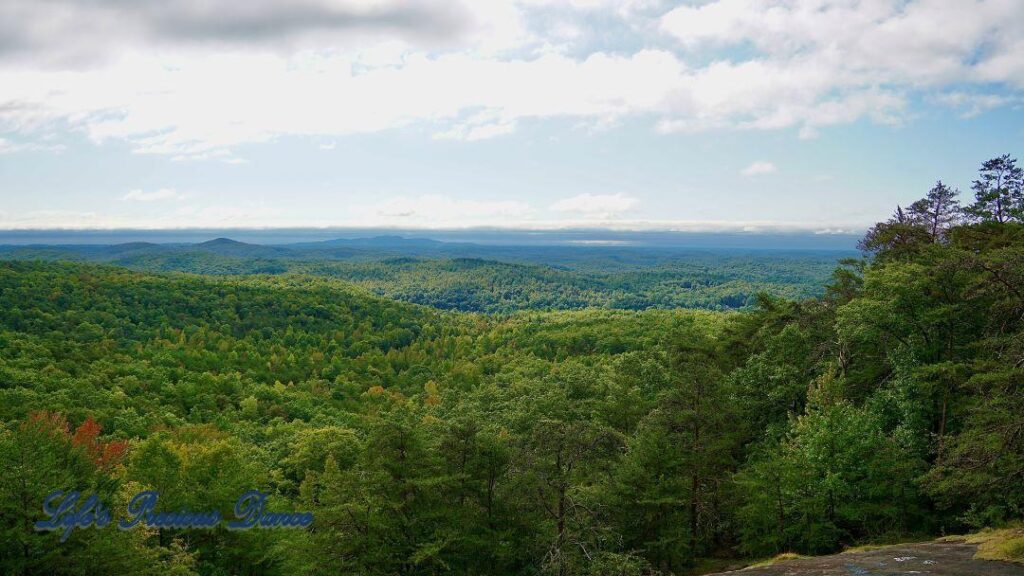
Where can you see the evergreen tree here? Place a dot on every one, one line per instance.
(901, 237)
(999, 191)
(938, 211)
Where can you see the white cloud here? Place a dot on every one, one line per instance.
(759, 168)
(808, 132)
(480, 126)
(158, 195)
(188, 107)
(817, 63)
(904, 41)
(972, 104)
(192, 87)
(471, 132)
(602, 206)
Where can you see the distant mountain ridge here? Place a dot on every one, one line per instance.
(376, 241)
(773, 240)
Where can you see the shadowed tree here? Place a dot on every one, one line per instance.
(666, 492)
(900, 237)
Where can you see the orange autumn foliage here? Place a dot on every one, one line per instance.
(104, 455)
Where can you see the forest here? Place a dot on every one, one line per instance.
(427, 440)
(488, 278)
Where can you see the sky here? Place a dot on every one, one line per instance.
(721, 115)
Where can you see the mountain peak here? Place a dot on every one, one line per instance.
(222, 242)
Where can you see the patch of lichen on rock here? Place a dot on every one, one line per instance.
(776, 559)
(1006, 544)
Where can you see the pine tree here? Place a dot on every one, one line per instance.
(898, 238)
(937, 211)
(999, 191)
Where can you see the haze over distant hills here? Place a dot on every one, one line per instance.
(485, 236)
(515, 271)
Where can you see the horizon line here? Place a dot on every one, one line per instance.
(747, 229)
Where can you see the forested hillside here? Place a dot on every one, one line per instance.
(594, 442)
(477, 278)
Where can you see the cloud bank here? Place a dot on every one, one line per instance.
(196, 79)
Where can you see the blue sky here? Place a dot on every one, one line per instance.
(722, 115)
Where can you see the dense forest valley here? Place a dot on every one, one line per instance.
(587, 425)
(489, 278)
